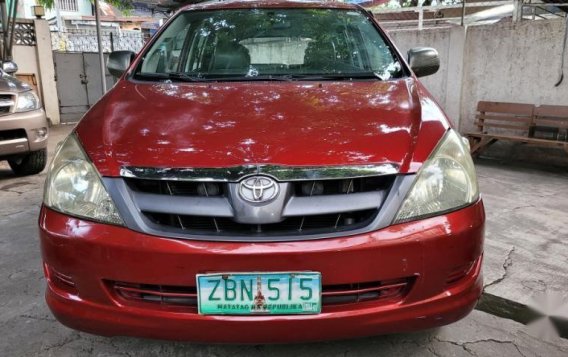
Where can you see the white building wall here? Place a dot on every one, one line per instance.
(84, 9)
(25, 9)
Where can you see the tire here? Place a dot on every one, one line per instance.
(31, 164)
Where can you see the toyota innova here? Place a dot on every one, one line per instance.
(264, 172)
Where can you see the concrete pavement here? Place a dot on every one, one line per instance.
(526, 257)
(526, 250)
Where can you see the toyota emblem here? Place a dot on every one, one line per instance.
(258, 189)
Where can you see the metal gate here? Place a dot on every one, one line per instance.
(78, 83)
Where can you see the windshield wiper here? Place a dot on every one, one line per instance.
(338, 76)
(185, 77)
(176, 76)
(296, 77)
(241, 78)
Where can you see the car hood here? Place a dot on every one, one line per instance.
(12, 84)
(182, 125)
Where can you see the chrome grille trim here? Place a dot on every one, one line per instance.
(280, 173)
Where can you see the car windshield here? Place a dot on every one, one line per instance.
(269, 44)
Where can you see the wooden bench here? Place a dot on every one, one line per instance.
(544, 125)
(551, 119)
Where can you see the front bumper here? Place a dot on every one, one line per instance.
(91, 254)
(28, 121)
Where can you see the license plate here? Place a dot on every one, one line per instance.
(259, 293)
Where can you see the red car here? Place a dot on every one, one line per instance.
(264, 172)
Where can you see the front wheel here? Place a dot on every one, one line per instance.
(30, 164)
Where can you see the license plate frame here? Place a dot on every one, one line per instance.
(302, 296)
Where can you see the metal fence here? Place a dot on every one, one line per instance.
(85, 40)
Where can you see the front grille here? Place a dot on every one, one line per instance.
(167, 295)
(362, 292)
(334, 187)
(186, 296)
(351, 204)
(178, 188)
(294, 225)
(259, 203)
(6, 103)
(12, 134)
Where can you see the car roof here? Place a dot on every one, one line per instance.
(249, 4)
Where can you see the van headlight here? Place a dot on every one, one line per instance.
(27, 101)
(446, 182)
(74, 186)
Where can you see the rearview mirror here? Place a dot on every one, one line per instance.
(423, 61)
(119, 61)
(9, 67)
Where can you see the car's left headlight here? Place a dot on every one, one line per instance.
(27, 101)
(446, 182)
(74, 186)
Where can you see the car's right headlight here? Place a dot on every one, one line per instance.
(27, 101)
(445, 182)
(74, 186)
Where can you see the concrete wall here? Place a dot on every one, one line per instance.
(25, 57)
(47, 71)
(514, 62)
(440, 40)
(38, 60)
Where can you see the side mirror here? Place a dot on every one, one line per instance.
(119, 61)
(423, 61)
(9, 67)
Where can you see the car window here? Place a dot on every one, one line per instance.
(250, 43)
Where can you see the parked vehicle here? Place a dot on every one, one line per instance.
(23, 126)
(264, 172)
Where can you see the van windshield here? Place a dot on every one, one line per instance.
(269, 44)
